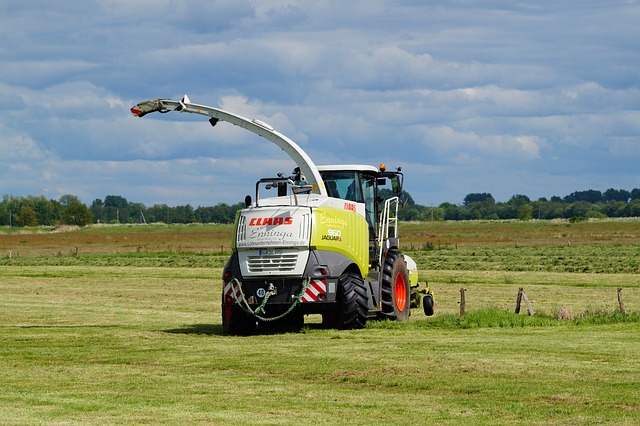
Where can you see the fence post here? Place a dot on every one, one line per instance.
(519, 300)
(462, 302)
(523, 296)
(620, 300)
(526, 301)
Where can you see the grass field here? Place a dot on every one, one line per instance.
(121, 325)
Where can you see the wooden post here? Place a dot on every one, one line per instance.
(620, 300)
(462, 302)
(523, 296)
(526, 301)
(519, 300)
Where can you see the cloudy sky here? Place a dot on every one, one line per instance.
(539, 98)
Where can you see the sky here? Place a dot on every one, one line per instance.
(538, 98)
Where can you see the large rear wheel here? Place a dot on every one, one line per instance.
(396, 291)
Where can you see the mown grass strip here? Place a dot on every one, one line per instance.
(156, 259)
(132, 374)
(613, 259)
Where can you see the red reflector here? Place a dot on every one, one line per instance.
(227, 274)
(322, 296)
(324, 271)
(229, 299)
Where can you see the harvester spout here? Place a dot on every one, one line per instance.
(260, 128)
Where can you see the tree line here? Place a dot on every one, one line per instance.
(579, 205)
(68, 209)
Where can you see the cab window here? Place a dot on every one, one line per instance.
(353, 186)
(343, 184)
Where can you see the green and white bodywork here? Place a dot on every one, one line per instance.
(325, 243)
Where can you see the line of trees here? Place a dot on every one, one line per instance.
(116, 209)
(577, 205)
(34, 211)
(68, 209)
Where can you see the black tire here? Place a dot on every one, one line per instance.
(352, 304)
(427, 304)
(396, 291)
(236, 321)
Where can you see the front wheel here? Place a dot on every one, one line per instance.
(236, 321)
(350, 312)
(396, 291)
(427, 303)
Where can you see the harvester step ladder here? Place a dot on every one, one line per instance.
(388, 219)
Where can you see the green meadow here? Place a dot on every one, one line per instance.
(121, 325)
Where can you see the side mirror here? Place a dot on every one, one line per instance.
(396, 184)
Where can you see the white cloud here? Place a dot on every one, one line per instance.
(465, 145)
(43, 71)
(18, 148)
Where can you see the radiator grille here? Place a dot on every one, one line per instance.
(285, 262)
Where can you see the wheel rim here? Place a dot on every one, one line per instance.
(401, 292)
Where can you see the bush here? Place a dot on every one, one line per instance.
(77, 213)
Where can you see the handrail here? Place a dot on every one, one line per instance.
(386, 221)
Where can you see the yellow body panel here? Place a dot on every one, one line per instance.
(413, 278)
(342, 231)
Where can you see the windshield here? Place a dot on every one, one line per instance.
(352, 186)
(343, 184)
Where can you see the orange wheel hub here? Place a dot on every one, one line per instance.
(401, 292)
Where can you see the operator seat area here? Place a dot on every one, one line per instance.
(357, 186)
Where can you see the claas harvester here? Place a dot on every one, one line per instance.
(319, 240)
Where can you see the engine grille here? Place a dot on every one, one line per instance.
(285, 262)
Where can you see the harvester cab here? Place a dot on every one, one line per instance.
(326, 242)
